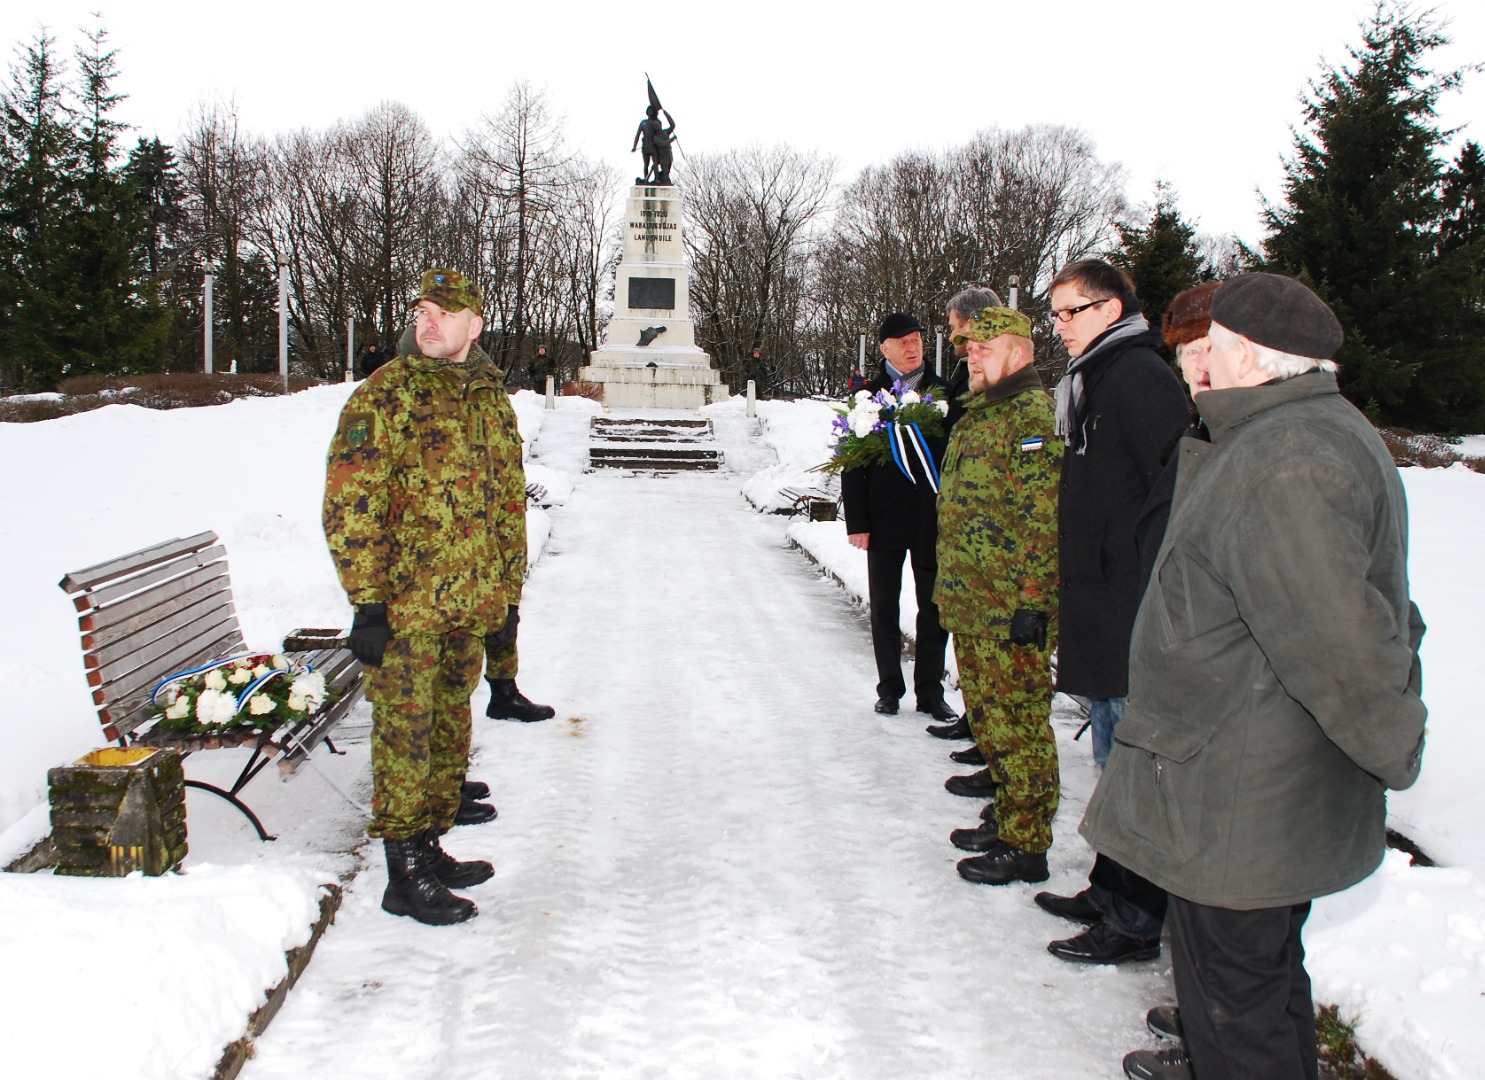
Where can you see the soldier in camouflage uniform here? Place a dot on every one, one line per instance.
(424, 514)
(997, 590)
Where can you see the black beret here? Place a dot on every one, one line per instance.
(898, 324)
(1279, 312)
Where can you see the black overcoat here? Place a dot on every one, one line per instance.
(879, 500)
(1135, 407)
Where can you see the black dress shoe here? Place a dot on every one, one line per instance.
(959, 729)
(1003, 864)
(474, 789)
(887, 706)
(975, 785)
(474, 813)
(939, 710)
(1079, 908)
(970, 755)
(1104, 943)
(982, 838)
(1164, 1022)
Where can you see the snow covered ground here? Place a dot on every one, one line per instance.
(715, 861)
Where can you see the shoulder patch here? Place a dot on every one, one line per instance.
(359, 428)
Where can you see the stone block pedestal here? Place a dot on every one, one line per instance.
(118, 810)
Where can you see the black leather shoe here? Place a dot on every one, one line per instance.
(982, 838)
(887, 706)
(987, 812)
(474, 813)
(970, 755)
(508, 703)
(1003, 864)
(1079, 908)
(1104, 943)
(975, 785)
(474, 789)
(959, 729)
(939, 710)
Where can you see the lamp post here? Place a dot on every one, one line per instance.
(207, 285)
(1015, 292)
(283, 320)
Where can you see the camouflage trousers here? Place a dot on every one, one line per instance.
(502, 663)
(420, 731)
(1008, 702)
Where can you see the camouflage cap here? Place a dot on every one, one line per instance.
(989, 323)
(450, 290)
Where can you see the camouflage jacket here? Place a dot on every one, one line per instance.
(997, 509)
(425, 495)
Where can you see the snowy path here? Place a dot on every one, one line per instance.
(716, 861)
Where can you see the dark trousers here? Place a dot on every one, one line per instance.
(1243, 990)
(884, 587)
(1134, 904)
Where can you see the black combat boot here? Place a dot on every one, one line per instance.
(452, 873)
(981, 838)
(474, 789)
(413, 890)
(508, 703)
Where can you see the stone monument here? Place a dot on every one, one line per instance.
(649, 358)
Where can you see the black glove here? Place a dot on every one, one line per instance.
(503, 637)
(369, 634)
(1029, 627)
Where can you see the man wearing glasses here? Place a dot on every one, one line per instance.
(1119, 407)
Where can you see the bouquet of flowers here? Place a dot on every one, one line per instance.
(259, 690)
(874, 428)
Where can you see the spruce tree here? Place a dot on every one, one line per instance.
(1161, 257)
(1361, 223)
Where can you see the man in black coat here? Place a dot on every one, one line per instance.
(890, 516)
(960, 314)
(1119, 407)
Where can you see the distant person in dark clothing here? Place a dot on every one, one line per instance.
(374, 357)
(891, 518)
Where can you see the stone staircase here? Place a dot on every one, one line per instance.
(652, 445)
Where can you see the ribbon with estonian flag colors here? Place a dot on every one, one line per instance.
(1036, 442)
(902, 436)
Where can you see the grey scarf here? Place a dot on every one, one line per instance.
(1072, 408)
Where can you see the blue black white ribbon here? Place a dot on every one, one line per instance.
(898, 442)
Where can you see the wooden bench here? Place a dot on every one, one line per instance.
(818, 503)
(164, 609)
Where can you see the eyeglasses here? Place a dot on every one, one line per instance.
(1066, 314)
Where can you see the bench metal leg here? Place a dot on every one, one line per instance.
(235, 801)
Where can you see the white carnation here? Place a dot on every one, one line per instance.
(307, 691)
(215, 680)
(910, 397)
(863, 419)
(259, 704)
(215, 707)
(863, 396)
(942, 406)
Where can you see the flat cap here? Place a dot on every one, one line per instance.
(1279, 312)
(898, 324)
(989, 323)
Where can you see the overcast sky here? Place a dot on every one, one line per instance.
(1201, 95)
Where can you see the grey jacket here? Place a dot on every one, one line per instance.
(1274, 677)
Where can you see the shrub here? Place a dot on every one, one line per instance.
(87, 392)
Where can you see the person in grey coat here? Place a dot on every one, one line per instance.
(1275, 687)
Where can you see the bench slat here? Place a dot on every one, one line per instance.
(135, 648)
(151, 655)
(104, 594)
(107, 625)
(122, 703)
(79, 580)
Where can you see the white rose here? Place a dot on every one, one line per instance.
(279, 663)
(244, 662)
(239, 677)
(215, 680)
(261, 670)
(180, 708)
(259, 704)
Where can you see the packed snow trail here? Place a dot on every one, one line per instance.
(716, 861)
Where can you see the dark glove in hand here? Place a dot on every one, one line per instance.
(1029, 627)
(502, 638)
(370, 634)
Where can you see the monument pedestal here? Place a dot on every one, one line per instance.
(649, 358)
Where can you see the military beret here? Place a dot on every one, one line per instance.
(898, 324)
(1279, 312)
(450, 290)
(989, 323)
